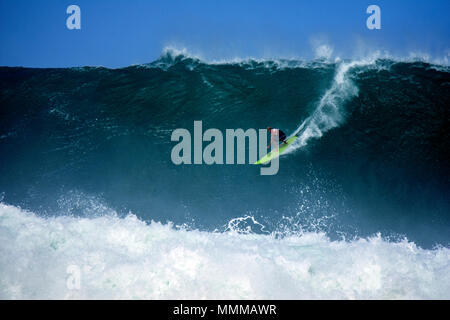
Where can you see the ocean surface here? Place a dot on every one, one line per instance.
(360, 207)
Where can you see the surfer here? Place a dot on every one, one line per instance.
(281, 135)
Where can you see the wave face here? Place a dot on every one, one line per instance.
(82, 148)
(125, 258)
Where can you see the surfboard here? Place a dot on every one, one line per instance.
(276, 153)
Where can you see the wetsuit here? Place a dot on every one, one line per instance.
(281, 135)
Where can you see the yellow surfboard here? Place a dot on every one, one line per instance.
(276, 153)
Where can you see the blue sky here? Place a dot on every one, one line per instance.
(117, 33)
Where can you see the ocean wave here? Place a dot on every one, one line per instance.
(323, 56)
(106, 133)
(126, 258)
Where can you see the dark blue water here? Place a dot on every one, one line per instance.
(81, 140)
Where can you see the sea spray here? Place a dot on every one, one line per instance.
(330, 110)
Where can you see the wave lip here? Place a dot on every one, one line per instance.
(125, 258)
(322, 54)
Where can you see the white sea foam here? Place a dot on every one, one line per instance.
(322, 50)
(127, 258)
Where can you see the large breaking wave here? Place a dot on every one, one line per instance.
(83, 148)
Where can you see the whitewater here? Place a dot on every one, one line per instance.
(126, 258)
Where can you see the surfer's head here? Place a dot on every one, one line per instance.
(269, 128)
